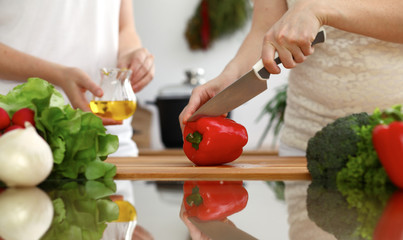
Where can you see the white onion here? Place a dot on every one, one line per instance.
(26, 213)
(25, 158)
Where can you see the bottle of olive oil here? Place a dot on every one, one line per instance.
(118, 101)
(118, 110)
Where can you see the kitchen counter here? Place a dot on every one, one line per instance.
(281, 202)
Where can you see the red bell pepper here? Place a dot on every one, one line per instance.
(214, 200)
(389, 225)
(214, 140)
(388, 143)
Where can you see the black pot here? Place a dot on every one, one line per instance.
(169, 110)
(170, 102)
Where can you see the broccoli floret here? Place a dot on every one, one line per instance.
(328, 150)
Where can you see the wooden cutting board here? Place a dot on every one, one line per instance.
(177, 167)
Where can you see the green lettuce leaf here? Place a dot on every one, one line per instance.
(82, 209)
(78, 139)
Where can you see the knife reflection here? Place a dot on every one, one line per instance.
(220, 230)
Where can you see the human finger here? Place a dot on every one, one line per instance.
(268, 57)
(141, 64)
(145, 75)
(110, 121)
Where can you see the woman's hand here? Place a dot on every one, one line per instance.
(200, 95)
(141, 62)
(194, 232)
(75, 83)
(291, 36)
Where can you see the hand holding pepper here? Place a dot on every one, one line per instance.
(214, 140)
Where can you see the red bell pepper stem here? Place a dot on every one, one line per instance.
(195, 138)
(194, 199)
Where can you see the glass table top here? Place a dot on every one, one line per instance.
(123, 209)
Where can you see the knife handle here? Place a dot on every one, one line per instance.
(263, 74)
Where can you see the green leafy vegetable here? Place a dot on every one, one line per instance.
(343, 151)
(82, 209)
(363, 168)
(78, 139)
(350, 187)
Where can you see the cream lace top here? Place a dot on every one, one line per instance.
(349, 73)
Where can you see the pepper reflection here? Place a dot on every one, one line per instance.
(211, 200)
(390, 225)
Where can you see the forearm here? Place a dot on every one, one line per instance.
(19, 66)
(265, 14)
(128, 37)
(378, 19)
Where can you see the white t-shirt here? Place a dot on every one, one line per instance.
(76, 33)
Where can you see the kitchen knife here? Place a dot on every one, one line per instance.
(242, 90)
(220, 230)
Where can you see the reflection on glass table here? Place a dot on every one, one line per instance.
(25, 213)
(351, 212)
(66, 210)
(206, 206)
(254, 209)
(282, 210)
(295, 210)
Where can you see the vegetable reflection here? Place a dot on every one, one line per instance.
(345, 211)
(82, 209)
(214, 200)
(211, 200)
(389, 225)
(26, 213)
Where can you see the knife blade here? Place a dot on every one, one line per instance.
(220, 230)
(242, 90)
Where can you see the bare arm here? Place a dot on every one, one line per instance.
(128, 38)
(132, 54)
(292, 35)
(265, 14)
(378, 19)
(16, 65)
(19, 66)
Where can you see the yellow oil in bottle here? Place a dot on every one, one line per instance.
(127, 212)
(117, 110)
